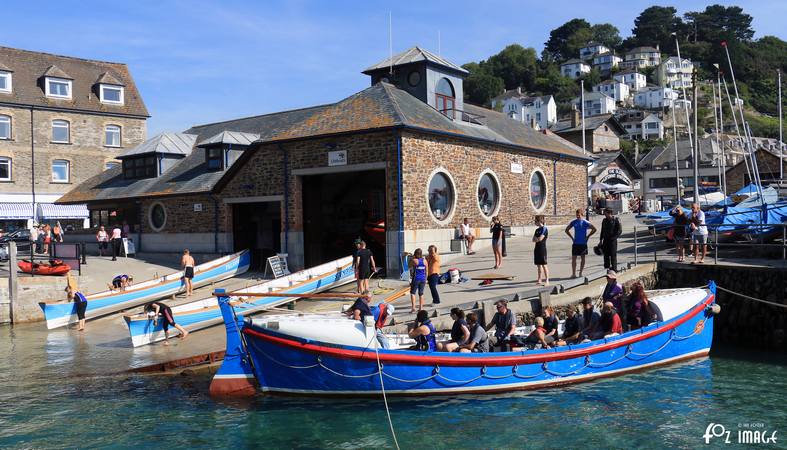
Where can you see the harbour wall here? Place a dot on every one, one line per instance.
(31, 290)
(741, 322)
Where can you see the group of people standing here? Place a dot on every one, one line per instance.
(113, 239)
(43, 235)
(692, 226)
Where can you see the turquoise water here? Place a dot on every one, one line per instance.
(47, 402)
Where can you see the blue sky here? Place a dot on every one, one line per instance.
(199, 61)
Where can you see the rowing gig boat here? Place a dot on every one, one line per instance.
(204, 313)
(59, 313)
(321, 355)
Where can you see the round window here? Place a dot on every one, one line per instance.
(488, 194)
(414, 78)
(158, 216)
(538, 189)
(441, 196)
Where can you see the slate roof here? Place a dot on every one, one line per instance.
(165, 143)
(666, 154)
(574, 61)
(524, 97)
(591, 123)
(642, 50)
(230, 137)
(30, 67)
(604, 159)
(413, 55)
(381, 106)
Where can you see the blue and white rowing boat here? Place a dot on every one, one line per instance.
(334, 355)
(61, 313)
(204, 313)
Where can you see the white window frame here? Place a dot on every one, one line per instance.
(112, 86)
(68, 82)
(10, 168)
(119, 132)
(10, 81)
(499, 202)
(450, 216)
(68, 170)
(546, 189)
(68, 129)
(3, 117)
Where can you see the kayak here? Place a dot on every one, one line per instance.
(55, 267)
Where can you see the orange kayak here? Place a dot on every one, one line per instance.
(55, 267)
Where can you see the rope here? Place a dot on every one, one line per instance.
(385, 398)
(751, 298)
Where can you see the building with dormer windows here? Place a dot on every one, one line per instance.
(81, 115)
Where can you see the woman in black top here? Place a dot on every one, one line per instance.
(540, 251)
(497, 241)
(680, 223)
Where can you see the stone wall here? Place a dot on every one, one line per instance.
(184, 216)
(769, 169)
(5, 302)
(32, 290)
(604, 140)
(741, 322)
(86, 151)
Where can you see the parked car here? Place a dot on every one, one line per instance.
(22, 239)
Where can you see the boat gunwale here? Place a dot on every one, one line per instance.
(471, 359)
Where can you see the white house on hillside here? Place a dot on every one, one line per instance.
(574, 68)
(632, 78)
(652, 127)
(525, 108)
(653, 97)
(615, 89)
(596, 103)
(641, 57)
(641, 125)
(592, 49)
(675, 73)
(605, 62)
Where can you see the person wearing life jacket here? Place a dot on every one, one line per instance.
(418, 283)
(120, 282)
(80, 302)
(423, 333)
(539, 335)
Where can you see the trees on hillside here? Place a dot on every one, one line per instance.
(654, 26)
(566, 40)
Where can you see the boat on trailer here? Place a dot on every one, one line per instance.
(62, 313)
(334, 355)
(204, 313)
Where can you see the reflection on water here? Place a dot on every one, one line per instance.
(48, 401)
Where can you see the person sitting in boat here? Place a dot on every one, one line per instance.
(539, 336)
(460, 332)
(121, 282)
(551, 322)
(360, 308)
(80, 302)
(156, 309)
(638, 311)
(609, 323)
(381, 313)
(423, 333)
(572, 328)
(479, 340)
(504, 322)
(613, 291)
(590, 318)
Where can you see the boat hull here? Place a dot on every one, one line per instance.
(206, 312)
(98, 305)
(286, 365)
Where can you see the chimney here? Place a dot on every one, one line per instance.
(575, 118)
(519, 90)
(533, 123)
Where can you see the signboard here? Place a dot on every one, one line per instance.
(197, 207)
(128, 247)
(517, 168)
(277, 265)
(337, 158)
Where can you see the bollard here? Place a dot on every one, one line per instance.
(635, 245)
(82, 252)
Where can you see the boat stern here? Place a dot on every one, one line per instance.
(235, 377)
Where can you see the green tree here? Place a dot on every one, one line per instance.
(654, 26)
(480, 86)
(515, 65)
(566, 40)
(607, 34)
(719, 23)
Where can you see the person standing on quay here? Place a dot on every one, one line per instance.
(418, 268)
(540, 251)
(433, 272)
(699, 234)
(103, 240)
(580, 241)
(187, 262)
(364, 261)
(679, 224)
(497, 241)
(80, 302)
(608, 239)
(116, 241)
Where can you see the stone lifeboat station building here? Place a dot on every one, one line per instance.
(399, 164)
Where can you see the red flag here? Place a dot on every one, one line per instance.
(723, 43)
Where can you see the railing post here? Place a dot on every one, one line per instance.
(635, 245)
(655, 242)
(784, 242)
(82, 247)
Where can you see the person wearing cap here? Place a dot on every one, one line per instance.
(608, 239)
(613, 291)
(364, 261)
(504, 322)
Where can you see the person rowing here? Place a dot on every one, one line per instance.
(156, 309)
(121, 282)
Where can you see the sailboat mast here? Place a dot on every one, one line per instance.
(718, 138)
(723, 179)
(688, 123)
(781, 146)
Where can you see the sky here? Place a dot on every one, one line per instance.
(199, 62)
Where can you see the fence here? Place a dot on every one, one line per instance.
(71, 254)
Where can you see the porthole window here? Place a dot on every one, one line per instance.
(488, 194)
(157, 217)
(441, 195)
(538, 189)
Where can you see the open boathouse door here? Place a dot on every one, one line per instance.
(340, 207)
(257, 226)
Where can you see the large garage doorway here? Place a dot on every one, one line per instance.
(257, 226)
(340, 207)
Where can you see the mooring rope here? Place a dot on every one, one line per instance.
(779, 305)
(385, 398)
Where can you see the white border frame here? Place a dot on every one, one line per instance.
(59, 80)
(10, 128)
(450, 216)
(68, 171)
(68, 128)
(10, 168)
(150, 217)
(546, 189)
(120, 135)
(101, 88)
(10, 77)
(496, 179)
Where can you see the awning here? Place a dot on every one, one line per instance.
(16, 211)
(52, 211)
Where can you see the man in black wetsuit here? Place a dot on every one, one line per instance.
(608, 241)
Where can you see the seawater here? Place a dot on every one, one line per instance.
(48, 399)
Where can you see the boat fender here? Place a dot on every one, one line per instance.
(714, 309)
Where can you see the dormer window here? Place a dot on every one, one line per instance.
(140, 167)
(5, 81)
(58, 87)
(214, 158)
(111, 94)
(445, 98)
